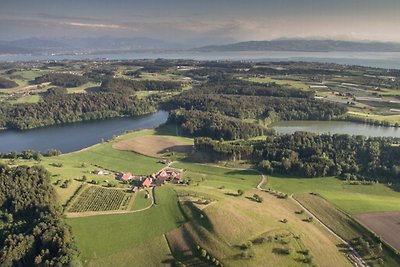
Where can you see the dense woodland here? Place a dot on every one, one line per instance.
(62, 79)
(256, 107)
(198, 123)
(240, 87)
(6, 83)
(32, 230)
(120, 85)
(312, 155)
(59, 109)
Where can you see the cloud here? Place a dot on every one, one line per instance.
(59, 17)
(96, 25)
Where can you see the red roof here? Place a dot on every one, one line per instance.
(126, 176)
(146, 183)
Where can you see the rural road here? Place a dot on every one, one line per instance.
(262, 182)
(354, 257)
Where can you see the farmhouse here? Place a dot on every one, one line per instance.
(125, 176)
(171, 175)
(147, 182)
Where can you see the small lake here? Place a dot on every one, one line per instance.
(336, 127)
(76, 136)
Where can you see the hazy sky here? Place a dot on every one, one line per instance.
(219, 20)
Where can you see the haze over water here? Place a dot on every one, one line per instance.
(389, 60)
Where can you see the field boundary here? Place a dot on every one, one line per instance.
(390, 247)
(359, 261)
(112, 212)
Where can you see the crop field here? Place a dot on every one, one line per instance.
(106, 236)
(96, 198)
(353, 199)
(348, 229)
(384, 224)
(287, 82)
(154, 146)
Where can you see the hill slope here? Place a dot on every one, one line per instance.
(305, 46)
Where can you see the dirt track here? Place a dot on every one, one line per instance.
(153, 146)
(384, 224)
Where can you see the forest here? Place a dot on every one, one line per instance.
(59, 109)
(221, 101)
(120, 85)
(32, 229)
(241, 87)
(6, 83)
(311, 155)
(61, 79)
(217, 126)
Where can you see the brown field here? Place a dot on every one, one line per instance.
(384, 224)
(153, 146)
(232, 221)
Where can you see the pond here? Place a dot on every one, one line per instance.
(76, 136)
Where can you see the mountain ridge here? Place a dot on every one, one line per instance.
(304, 45)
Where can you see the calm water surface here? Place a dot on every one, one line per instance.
(72, 137)
(336, 127)
(369, 59)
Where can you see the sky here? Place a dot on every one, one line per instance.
(214, 21)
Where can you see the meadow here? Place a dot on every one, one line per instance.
(102, 236)
(353, 199)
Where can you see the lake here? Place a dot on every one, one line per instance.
(76, 136)
(336, 127)
(369, 59)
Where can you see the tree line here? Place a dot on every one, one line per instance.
(256, 107)
(217, 126)
(6, 83)
(311, 155)
(62, 79)
(121, 85)
(33, 231)
(68, 108)
(241, 87)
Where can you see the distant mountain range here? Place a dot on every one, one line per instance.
(301, 45)
(85, 45)
(115, 45)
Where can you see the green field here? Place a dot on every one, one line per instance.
(345, 227)
(353, 199)
(103, 236)
(140, 201)
(287, 82)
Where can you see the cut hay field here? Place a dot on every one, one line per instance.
(223, 227)
(354, 199)
(154, 146)
(348, 229)
(384, 224)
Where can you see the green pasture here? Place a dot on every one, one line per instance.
(353, 199)
(106, 235)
